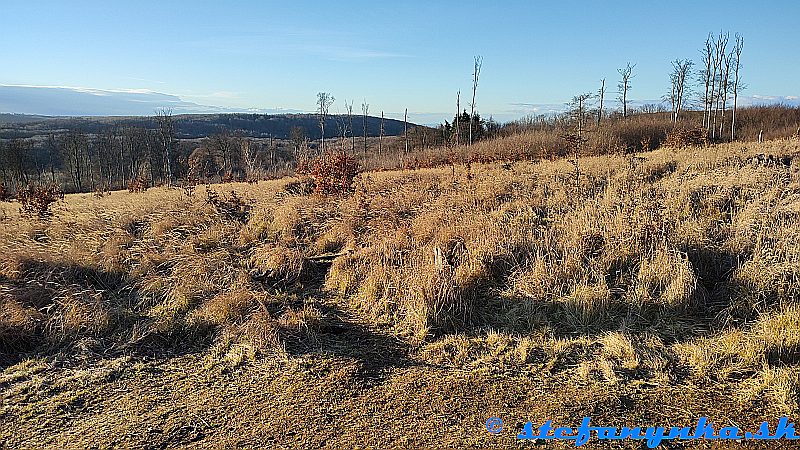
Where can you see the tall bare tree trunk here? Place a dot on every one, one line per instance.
(365, 110)
(721, 46)
(724, 91)
(324, 101)
(405, 129)
(736, 67)
(271, 153)
(380, 138)
(709, 51)
(352, 130)
(680, 70)
(624, 85)
(712, 100)
(458, 114)
(475, 75)
(166, 128)
(602, 94)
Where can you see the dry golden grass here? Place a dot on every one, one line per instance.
(676, 268)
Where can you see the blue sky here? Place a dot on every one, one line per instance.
(278, 55)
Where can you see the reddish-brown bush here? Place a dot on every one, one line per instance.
(138, 184)
(681, 137)
(333, 172)
(37, 200)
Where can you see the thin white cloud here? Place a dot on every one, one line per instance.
(758, 99)
(81, 101)
(93, 91)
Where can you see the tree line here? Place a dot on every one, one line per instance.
(115, 156)
(718, 82)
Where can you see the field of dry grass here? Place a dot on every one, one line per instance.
(652, 289)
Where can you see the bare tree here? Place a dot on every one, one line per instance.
(226, 151)
(166, 132)
(4, 165)
(297, 135)
(252, 165)
(341, 127)
(51, 145)
(152, 150)
(18, 160)
(624, 86)
(680, 70)
(405, 129)
(135, 145)
(725, 86)
(458, 113)
(380, 138)
(578, 110)
(707, 78)
(272, 150)
(74, 145)
(349, 108)
(601, 95)
(324, 102)
(365, 112)
(475, 75)
(106, 150)
(720, 47)
(737, 54)
(712, 96)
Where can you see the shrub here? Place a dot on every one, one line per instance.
(639, 134)
(138, 184)
(5, 193)
(681, 137)
(300, 187)
(101, 190)
(333, 172)
(229, 206)
(36, 200)
(189, 184)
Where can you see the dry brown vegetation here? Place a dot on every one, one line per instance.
(541, 137)
(538, 140)
(653, 289)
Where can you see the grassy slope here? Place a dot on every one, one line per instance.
(654, 292)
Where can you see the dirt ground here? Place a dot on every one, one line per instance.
(348, 387)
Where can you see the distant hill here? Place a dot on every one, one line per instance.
(192, 126)
(8, 118)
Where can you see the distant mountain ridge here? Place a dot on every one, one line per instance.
(191, 126)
